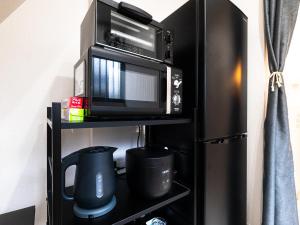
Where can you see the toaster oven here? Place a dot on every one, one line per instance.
(126, 28)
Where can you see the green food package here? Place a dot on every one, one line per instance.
(73, 114)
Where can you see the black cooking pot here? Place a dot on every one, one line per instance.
(94, 184)
(149, 171)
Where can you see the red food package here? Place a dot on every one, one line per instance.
(75, 102)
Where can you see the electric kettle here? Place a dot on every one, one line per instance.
(94, 185)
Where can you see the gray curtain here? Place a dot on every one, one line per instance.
(279, 201)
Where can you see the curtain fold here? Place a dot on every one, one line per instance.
(279, 198)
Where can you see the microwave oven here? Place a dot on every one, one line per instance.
(126, 28)
(120, 84)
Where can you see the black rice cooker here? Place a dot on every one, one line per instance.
(149, 171)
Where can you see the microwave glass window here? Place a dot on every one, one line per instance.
(125, 31)
(141, 85)
(119, 81)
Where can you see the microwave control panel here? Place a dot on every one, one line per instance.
(174, 91)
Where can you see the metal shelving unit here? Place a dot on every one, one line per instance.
(128, 206)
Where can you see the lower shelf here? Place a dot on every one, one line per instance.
(167, 214)
(128, 208)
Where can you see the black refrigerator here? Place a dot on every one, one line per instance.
(210, 46)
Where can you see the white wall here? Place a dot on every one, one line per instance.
(39, 44)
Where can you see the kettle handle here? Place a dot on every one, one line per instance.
(67, 161)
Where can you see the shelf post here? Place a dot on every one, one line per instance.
(49, 175)
(56, 165)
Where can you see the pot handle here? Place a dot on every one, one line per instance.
(67, 161)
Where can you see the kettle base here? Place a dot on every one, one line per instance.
(93, 213)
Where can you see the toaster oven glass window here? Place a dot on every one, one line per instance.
(115, 81)
(127, 32)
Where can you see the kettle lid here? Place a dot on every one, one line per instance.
(98, 149)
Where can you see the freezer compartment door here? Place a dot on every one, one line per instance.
(225, 183)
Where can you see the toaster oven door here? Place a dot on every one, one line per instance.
(117, 31)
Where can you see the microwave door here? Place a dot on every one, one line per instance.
(120, 87)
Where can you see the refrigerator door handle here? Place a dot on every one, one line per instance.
(224, 140)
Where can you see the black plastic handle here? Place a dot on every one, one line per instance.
(134, 13)
(67, 161)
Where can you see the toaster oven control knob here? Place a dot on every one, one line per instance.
(176, 99)
(168, 37)
(168, 54)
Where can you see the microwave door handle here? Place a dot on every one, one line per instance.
(169, 89)
(134, 13)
